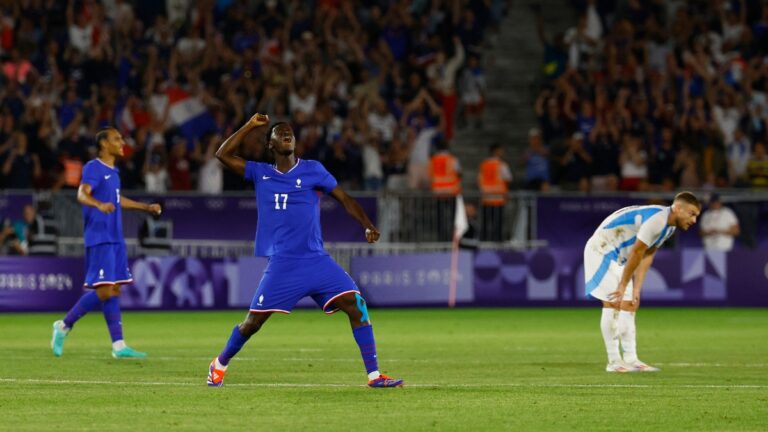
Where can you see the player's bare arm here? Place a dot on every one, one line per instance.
(639, 279)
(356, 211)
(130, 204)
(636, 256)
(85, 197)
(227, 153)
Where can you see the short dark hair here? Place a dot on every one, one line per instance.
(103, 134)
(272, 128)
(689, 198)
(492, 149)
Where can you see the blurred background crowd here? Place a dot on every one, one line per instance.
(653, 95)
(364, 84)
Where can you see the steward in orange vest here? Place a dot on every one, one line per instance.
(494, 177)
(445, 172)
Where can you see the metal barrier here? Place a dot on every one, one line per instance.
(408, 217)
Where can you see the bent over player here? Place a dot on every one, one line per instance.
(288, 232)
(616, 259)
(106, 264)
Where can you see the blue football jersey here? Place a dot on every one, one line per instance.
(288, 207)
(105, 186)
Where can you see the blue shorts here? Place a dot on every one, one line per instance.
(106, 264)
(288, 280)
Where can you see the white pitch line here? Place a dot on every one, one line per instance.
(734, 365)
(388, 360)
(236, 360)
(418, 385)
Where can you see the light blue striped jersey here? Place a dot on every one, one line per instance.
(619, 231)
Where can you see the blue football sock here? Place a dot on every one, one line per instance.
(364, 338)
(234, 345)
(113, 317)
(88, 302)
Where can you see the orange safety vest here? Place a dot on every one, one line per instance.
(445, 179)
(493, 187)
(73, 170)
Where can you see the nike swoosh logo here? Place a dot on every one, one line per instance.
(265, 178)
(107, 177)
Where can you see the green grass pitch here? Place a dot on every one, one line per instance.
(465, 370)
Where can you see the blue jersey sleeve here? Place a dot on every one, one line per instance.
(91, 175)
(251, 169)
(327, 182)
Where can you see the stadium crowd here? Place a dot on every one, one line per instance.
(653, 95)
(364, 84)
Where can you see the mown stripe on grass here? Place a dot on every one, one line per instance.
(417, 385)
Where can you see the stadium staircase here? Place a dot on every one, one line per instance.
(512, 68)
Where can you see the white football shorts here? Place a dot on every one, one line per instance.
(602, 274)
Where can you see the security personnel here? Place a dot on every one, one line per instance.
(493, 178)
(445, 175)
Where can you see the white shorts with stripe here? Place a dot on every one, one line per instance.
(602, 274)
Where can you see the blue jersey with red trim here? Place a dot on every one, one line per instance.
(288, 207)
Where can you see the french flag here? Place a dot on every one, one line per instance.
(189, 114)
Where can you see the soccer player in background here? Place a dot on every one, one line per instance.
(106, 262)
(616, 259)
(288, 232)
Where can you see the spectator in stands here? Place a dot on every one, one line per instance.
(373, 171)
(9, 242)
(395, 164)
(536, 161)
(149, 65)
(155, 173)
(555, 51)
(739, 152)
(719, 226)
(604, 149)
(551, 121)
(662, 165)
(442, 74)
(575, 165)
(757, 167)
(472, 88)
(382, 121)
(20, 168)
(211, 178)
(180, 166)
(633, 161)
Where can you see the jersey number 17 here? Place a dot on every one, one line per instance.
(284, 198)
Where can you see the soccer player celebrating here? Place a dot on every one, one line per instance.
(616, 259)
(288, 232)
(106, 263)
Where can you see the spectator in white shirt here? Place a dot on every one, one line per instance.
(719, 226)
(381, 120)
(373, 172)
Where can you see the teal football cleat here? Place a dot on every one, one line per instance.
(57, 341)
(128, 353)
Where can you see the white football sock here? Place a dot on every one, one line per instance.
(63, 327)
(373, 375)
(118, 345)
(219, 365)
(628, 335)
(608, 324)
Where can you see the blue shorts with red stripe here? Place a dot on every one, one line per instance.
(288, 280)
(106, 264)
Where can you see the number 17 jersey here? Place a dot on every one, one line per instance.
(288, 207)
